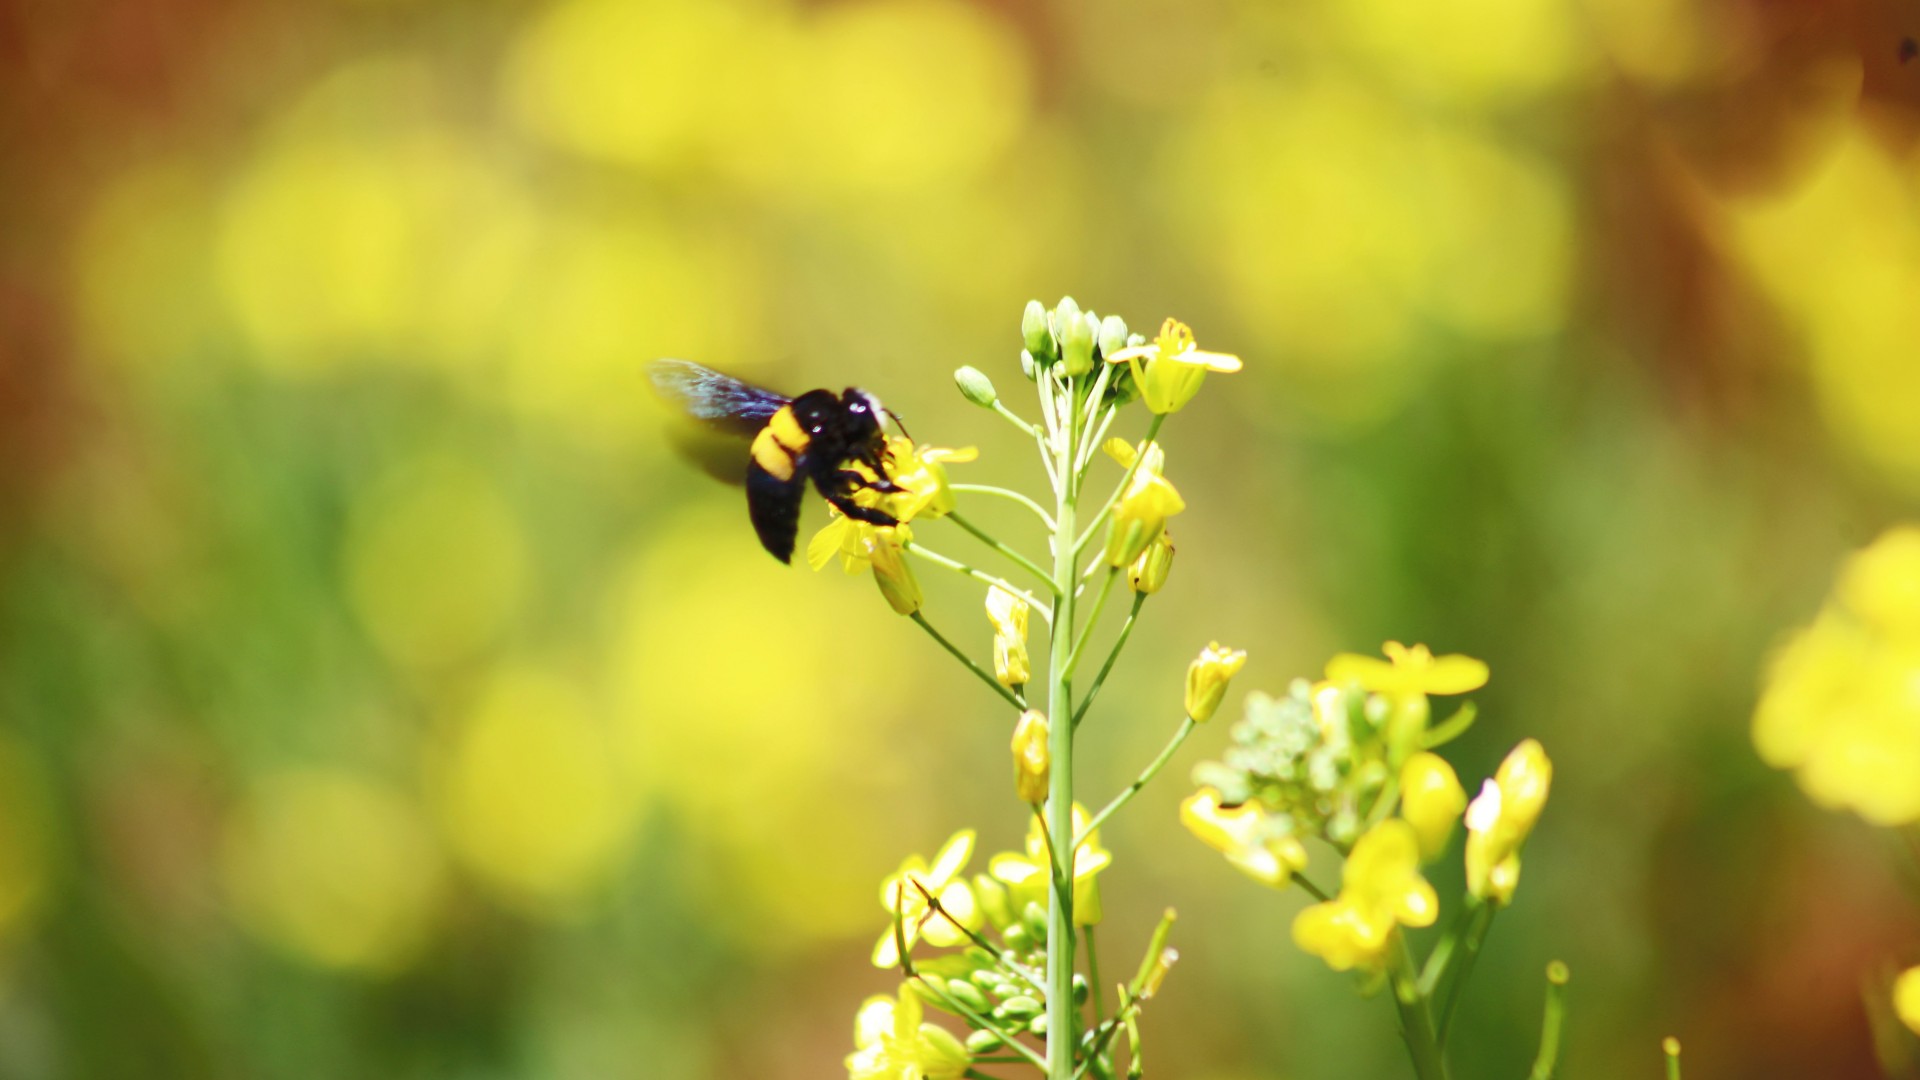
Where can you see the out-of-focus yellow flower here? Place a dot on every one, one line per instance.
(1380, 889)
(1500, 818)
(1248, 836)
(1148, 573)
(1008, 611)
(1032, 761)
(1906, 998)
(901, 893)
(1169, 369)
(1431, 800)
(1841, 704)
(921, 473)
(876, 547)
(1026, 875)
(335, 868)
(894, 1044)
(1409, 671)
(1143, 509)
(1208, 676)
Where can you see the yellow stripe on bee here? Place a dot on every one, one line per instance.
(779, 443)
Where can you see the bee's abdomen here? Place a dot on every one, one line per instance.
(780, 444)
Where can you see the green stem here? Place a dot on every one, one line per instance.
(1006, 493)
(1476, 936)
(1061, 1034)
(1093, 618)
(1670, 1046)
(1146, 776)
(1153, 430)
(1416, 1023)
(913, 547)
(1126, 630)
(988, 539)
(1435, 968)
(1014, 418)
(1013, 699)
(1307, 885)
(1550, 1021)
(1093, 975)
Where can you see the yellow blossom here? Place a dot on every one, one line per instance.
(1500, 819)
(1409, 672)
(1032, 762)
(1431, 800)
(1841, 704)
(876, 547)
(892, 1043)
(903, 896)
(1026, 875)
(921, 474)
(1906, 998)
(1008, 612)
(1170, 369)
(1207, 678)
(1148, 573)
(1144, 507)
(1248, 836)
(1380, 889)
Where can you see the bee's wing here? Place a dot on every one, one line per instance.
(719, 401)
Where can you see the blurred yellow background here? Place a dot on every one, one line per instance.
(380, 696)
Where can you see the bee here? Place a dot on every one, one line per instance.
(817, 437)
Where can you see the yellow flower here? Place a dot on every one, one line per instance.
(1431, 800)
(1143, 509)
(1248, 836)
(907, 903)
(1149, 572)
(1500, 819)
(1170, 369)
(1026, 876)
(876, 547)
(1380, 889)
(1906, 998)
(1032, 762)
(1207, 678)
(1408, 672)
(893, 1044)
(1841, 704)
(921, 474)
(1008, 612)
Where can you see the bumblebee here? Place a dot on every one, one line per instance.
(816, 437)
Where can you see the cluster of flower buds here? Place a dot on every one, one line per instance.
(1077, 341)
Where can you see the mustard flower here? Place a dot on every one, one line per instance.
(879, 548)
(893, 1044)
(1008, 612)
(1906, 998)
(1500, 818)
(1144, 507)
(1409, 672)
(1170, 369)
(1207, 679)
(1252, 839)
(907, 903)
(1026, 875)
(1431, 800)
(921, 474)
(1380, 889)
(1032, 760)
(1148, 573)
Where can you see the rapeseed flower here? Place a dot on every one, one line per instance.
(1253, 840)
(1380, 889)
(1431, 800)
(1169, 369)
(904, 894)
(892, 1042)
(1501, 817)
(1208, 676)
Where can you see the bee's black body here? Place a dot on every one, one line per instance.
(814, 437)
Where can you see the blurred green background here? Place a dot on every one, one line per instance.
(379, 696)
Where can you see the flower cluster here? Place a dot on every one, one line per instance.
(1841, 703)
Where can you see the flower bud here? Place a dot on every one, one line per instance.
(1500, 818)
(1431, 800)
(1113, 335)
(1028, 367)
(1906, 998)
(892, 574)
(975, 386)
(1149, 572)
(1032, 762)
(1143, 509)
(1076, 343)
(1034, 333)
(1207, 679)
(1008, 612)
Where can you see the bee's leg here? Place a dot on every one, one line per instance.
(854, 480)
(862, 513)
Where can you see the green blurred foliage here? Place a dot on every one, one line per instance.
(379, 695)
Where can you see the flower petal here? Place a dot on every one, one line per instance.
(1455, 674)
(953, 856)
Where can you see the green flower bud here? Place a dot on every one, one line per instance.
(1020, 1007)
(1028, 366)
(1113, 335)
(982, 1042)
(1080, 988)
(1034, 332)
(975, 386)
(1036, 920)
(966, 994)
(1038, 1025)
(1076, 344)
